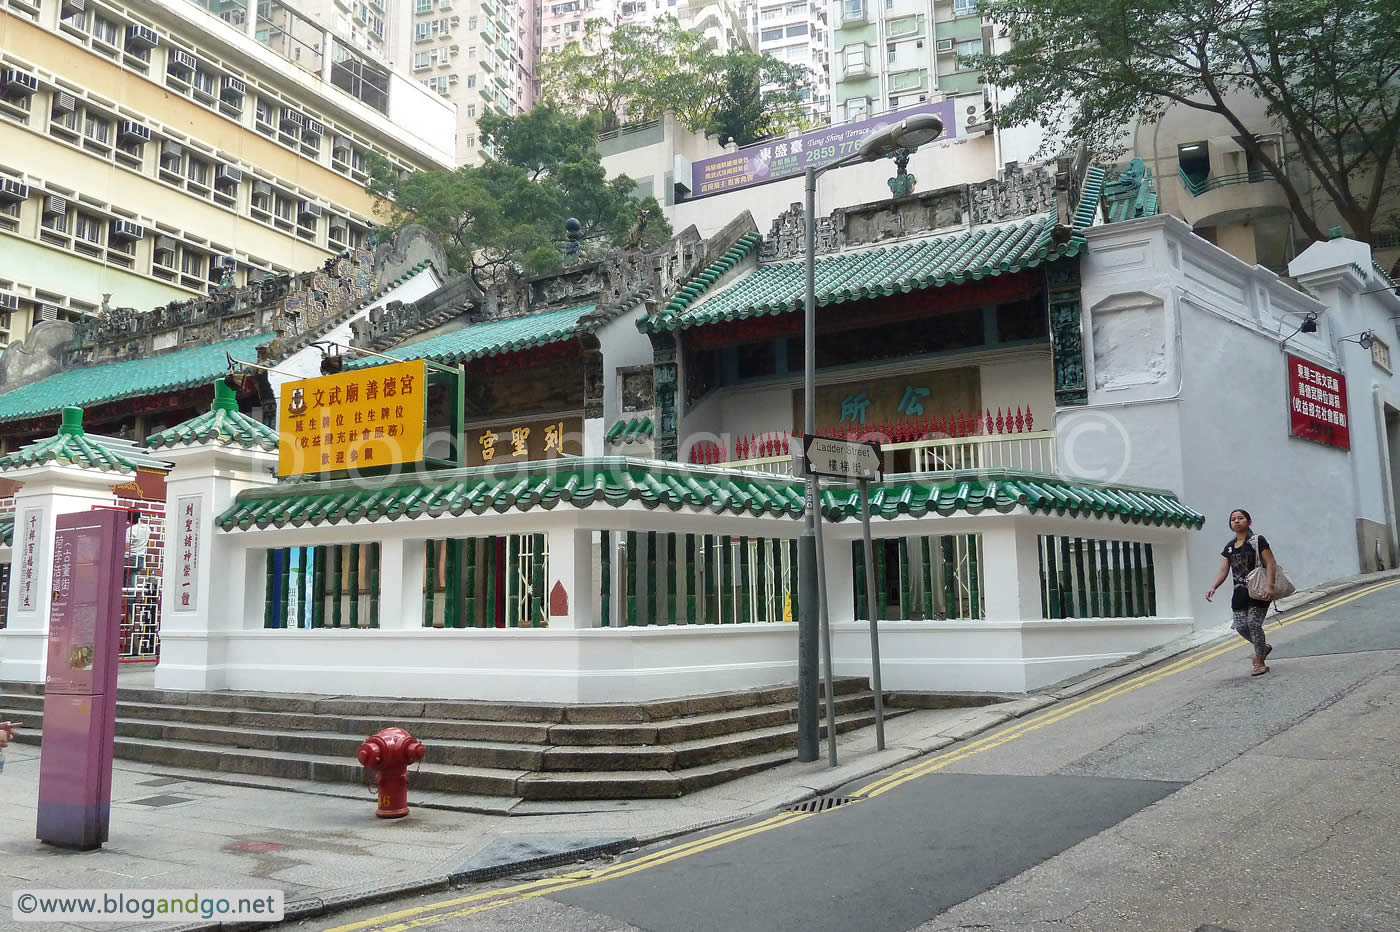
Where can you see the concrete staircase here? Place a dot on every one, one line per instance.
(534, 752)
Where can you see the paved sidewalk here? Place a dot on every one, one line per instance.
(322, 845)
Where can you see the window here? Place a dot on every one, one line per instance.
(191, 262)
(196, 171)
(66, 120)
(420, 61)
(964, 7)
(56, 222)
(891, 52)
(799, 30)
(96, 128)
(770, 35)
(88, 228)
(471, 110)
(422, 32)
(970, 47)
(1194, 160)
(471, 49)
(204, 82)
(853, 9)
(796, 9)
(104, 30)
(423, 6)
(471, 22)
(471, 80)
(282, 207)
(767, 16)
(856, 108)
(469, 139)
(855, 56)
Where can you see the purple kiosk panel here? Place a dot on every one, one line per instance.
(80, 692)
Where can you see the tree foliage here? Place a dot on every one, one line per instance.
(637, 72)
(508, 213)
(1328, 74)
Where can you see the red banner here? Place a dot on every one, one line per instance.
(1317, 404)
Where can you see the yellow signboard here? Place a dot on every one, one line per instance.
(356, 420)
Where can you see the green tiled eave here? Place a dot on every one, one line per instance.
(872, 273)
(494, 337)
(114, 381)
(223, 423)
(7, 531)
(630, 431)
(69, 447)
(616, 481)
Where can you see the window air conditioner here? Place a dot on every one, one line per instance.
(141, 37)
(226, 176)
(13, 191)
(126, 230)
(129, 131)
(180, 60)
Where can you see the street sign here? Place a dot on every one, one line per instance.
(842, 459)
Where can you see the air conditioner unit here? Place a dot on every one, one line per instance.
(945, 45)
(165, 244)
(262, 189)
(141, 37)
(223, 262)
(9, 302)
(308, 211)
(13, 191)
(15, 82)
(64, 102)
(45, 313)
(126, 230)
(971, 114)
(71, 8)
(313, 127)
(129, 131)
(226, 176)
(232, 88)
(291, 119)
(180, 60)
(171, 152)
(339, 229)
(55, 206)
(340, 150)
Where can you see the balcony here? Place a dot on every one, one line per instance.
(1236, 198)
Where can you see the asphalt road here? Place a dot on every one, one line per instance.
(1191, 797)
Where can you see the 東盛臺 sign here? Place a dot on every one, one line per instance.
(785, 158)
(1317, 404)
(362, 419)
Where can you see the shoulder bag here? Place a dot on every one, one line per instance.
(1257, 582)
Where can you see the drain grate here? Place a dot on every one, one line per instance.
(821, 804)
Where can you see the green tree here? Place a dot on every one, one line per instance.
(508, 213)
(637, 72)
(1326, 72)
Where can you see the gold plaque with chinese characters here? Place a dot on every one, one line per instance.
(358, 420)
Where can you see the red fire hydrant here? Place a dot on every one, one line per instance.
(390, 753)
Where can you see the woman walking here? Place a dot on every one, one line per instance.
(1239, 558)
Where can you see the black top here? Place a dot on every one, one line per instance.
(1243, 559)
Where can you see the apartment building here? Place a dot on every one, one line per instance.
(893, 53)
(477, 54)
(799, 32)
(155, 150)
(719, 21)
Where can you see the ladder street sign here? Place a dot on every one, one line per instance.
(842, 459)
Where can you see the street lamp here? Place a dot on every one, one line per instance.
(812, 621)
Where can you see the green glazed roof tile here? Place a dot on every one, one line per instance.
(887, 270)
(635, 430)
(1130, 195)
(113, 381)
(673, 486)
(71, 446)
(7, 530)
(223, 423)
(493, 337)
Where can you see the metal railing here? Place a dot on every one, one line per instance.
(1198, 186)
(1033, 451)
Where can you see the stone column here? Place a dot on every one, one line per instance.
(49, 490)
(205, 585)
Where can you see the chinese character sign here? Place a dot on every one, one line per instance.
(187, 511)
(355, 420)
(771, 161)
(524, 441)
(1317, 404)
(29, 545)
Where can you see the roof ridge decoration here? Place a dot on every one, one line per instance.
(223, 424)
(675, 487)
(492, 337)
(1132, 193)
(69, 447)
(902, 267)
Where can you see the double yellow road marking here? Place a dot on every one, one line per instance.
(462, 907)
(1060, 712)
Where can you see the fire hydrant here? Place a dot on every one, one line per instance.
(390, 753)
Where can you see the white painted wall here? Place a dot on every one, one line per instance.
(1187, 392)
(623, 346)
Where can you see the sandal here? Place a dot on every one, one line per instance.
(1260, 670)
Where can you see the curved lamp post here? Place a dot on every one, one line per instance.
(812, 620)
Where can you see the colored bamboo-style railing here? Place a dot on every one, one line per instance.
(916, 578)
(335, 586)
(1084, 578)
(486, 582)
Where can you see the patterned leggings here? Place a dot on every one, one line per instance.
(1249, 624)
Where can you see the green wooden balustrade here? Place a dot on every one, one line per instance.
(922, 577)
(340, 582)
(1087, 578)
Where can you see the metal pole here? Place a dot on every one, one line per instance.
(809, 609)
(874, 621)
(830, 678)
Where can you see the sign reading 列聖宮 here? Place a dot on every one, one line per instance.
(785, 158)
